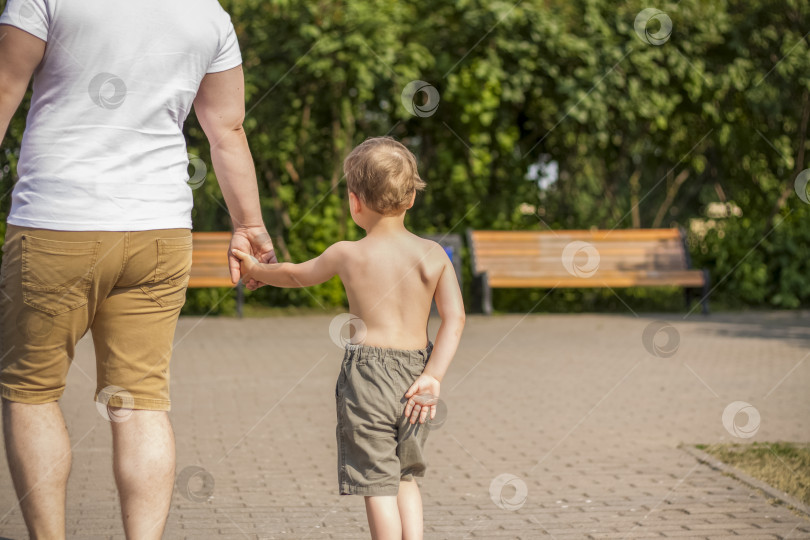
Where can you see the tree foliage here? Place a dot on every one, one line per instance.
(553, 114)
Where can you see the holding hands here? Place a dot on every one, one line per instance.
(247, 264)
(255, 245)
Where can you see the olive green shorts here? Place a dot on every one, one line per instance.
(127, 288)
(377, 446)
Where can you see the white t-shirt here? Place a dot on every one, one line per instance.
(103, 148)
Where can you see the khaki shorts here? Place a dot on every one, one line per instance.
(377, 446)
(125, 287)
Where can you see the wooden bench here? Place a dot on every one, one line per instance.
(209, 264)
(598, 258)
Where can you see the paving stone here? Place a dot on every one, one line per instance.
(572, 405)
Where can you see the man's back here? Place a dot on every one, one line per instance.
(103, 147)
(390, 281)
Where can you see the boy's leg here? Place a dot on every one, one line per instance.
(409, 502)
(383, 518)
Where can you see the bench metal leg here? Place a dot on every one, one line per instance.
(240, 299)
(486, 295)
(687, 295)
(704, 299)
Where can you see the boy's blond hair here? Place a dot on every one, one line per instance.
(383, 174)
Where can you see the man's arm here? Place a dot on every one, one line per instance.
(306, 274)
(20, 54)
(220, 108)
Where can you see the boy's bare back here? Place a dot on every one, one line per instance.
(390, 280)
(391, 275)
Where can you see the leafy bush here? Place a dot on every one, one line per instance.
(640, 135)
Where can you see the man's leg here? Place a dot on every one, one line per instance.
(383, 518)
(409, 501)
(133, 331)
(38, 451)
(45, 308)
(143, 463)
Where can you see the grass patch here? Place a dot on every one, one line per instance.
(785, 466)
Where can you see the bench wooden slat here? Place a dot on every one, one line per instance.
(487, 253)
(209, 258)
(523, 268)
(587, 235)
(220, 269)
(206, 282)
(560, 245)
(685, 278)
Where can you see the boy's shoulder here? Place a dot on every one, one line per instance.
(429, 252)
(342, 245)
(422, 248)
(431, 246)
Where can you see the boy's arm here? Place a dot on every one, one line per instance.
(451, 310)
(305, 274)
(450, 304)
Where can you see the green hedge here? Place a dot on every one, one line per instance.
(641, 135)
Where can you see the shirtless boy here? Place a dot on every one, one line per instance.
(391, 375)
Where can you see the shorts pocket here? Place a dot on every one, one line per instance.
(56, 275)
(172, 270)
(371, 458)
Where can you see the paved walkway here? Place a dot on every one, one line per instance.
(575, 408)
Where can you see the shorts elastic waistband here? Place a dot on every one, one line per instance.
(383, 353)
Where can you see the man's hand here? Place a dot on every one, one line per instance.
(423, 399)
(256, 242)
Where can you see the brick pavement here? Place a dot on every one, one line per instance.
(574, 406)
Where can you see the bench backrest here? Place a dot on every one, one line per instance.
(209, 263)
(550, 253)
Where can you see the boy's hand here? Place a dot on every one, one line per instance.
(253, 240)
(423, 399)
(247, 263)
